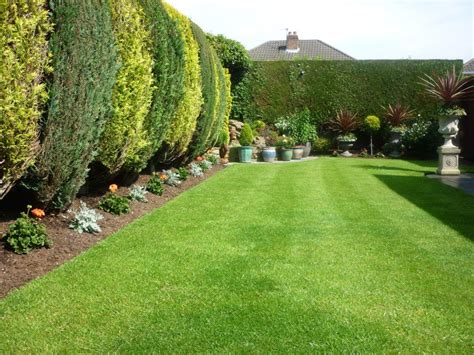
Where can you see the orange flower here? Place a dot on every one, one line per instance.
(113, 188)
(38, 213)
(199, 159)
(163, 177)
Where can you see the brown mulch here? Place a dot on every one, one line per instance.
(17, 270)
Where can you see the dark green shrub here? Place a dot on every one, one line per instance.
(210, 89)
(124, 138)
(183, 173)
(298, 126)
(167, 48)
(85, 66)
(246, 136)
(26, 234)
(115, 204)
(321, 145)
(421, 139)
(155, 186)
(24, 28)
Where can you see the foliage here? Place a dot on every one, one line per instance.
(195, 170)
(285, 142)
(246, 135)
(213, 159)
(26, 234)
(321, 145)
(212, 77)
(205, 165)
(24, 28)
(155, 186)
(371, 124)
(183, 123)
(397, 115)
(344, 123)
(298, 126)
(167, 48)
(449, 89)
(124, 137)
(172, 178)
(183, 173)
(115, 204)
(84, 61)
(138, 193)
(348, 137)
(276, 89)
(421, 139)
(232, 55)
(85, 220)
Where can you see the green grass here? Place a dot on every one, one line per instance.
(331, 255)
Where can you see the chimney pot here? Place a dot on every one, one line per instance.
(292, 41)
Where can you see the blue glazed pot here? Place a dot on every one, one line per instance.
(286, 154)
(269, 154)
(245, 154)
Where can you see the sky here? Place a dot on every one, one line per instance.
(364, 29)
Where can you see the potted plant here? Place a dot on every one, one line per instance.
(245, 140)
(371, 125)
(345, 123)
(396, 116)
(269, 152)
(449, 89)
(285, 149)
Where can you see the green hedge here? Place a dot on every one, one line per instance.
(210, 77)
(124, 137)
(274, 89)
(183, 123)
(85, 66)
(221, 126)
(24, 28)
(167, 47)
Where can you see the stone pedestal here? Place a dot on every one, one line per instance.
(448, 161)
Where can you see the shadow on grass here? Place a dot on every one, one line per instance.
(394, 168)
(449, 205)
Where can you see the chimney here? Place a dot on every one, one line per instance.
(292, 42)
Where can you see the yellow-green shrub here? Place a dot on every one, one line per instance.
(124, 136)
(183, 124)
(24, 27)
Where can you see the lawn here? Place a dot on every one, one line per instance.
(327, 255)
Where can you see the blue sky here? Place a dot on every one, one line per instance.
(365, 29)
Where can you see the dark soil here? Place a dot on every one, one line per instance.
(17, 270)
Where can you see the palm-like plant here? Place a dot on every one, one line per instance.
(397, 114)
(344, 123)
(450, 88)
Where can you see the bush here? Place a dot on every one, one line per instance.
(195, 170)
(183, 123)
(371, 124)
(167, 48)
(86, 220)
(26, 234)
(172, 178)
(322, 145)
(183, 173)
(205, 165)
(24, 28)
(124, 138)
(298, 126)
(85, 64)
(138, 193)
(421, 139)
(115, 204)
(246, 136)
(155, 186)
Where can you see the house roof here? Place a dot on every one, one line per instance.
(309, 49)
(469, 67)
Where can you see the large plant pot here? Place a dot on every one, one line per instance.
(298, 153)
(395, 143)
(269, 154)
(346, 146)
(449, 128)
(245, 154)
(286, 154)
(307, 150)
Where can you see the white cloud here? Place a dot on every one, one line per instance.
(364, 29)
